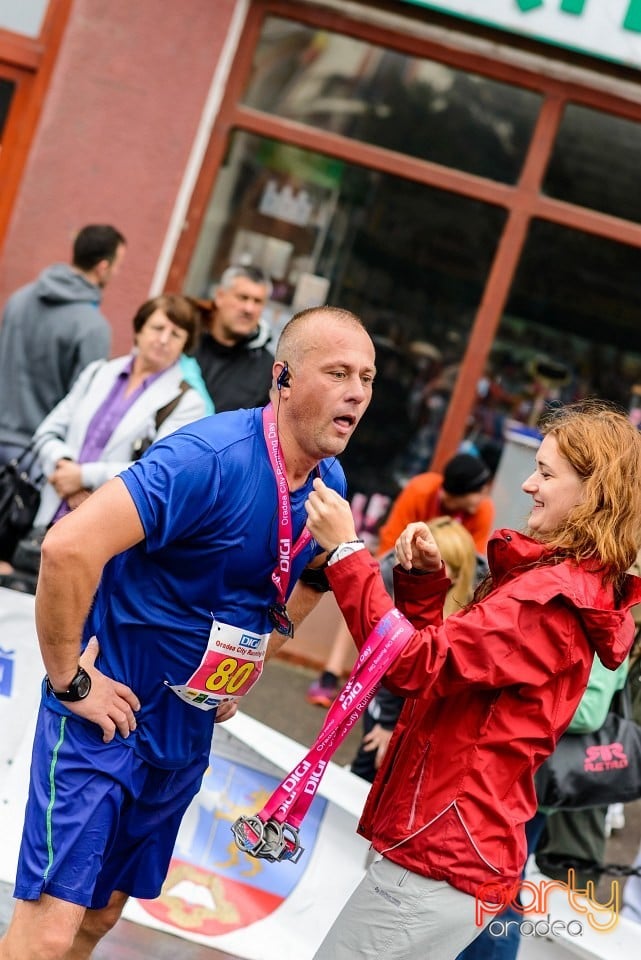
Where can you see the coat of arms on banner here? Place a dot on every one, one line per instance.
(212, 887)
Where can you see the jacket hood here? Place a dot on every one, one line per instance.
(607, 623)
(261, 338)
(60, 283)
(256, 341)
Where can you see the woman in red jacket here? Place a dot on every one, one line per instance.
(490, 690)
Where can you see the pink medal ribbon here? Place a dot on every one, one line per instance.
(233, 661)
(278, 616)
(272, 834)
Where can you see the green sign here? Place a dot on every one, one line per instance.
(610, 29)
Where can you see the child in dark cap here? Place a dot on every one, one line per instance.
(459, 492)
(465, 473)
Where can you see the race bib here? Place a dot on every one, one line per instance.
(232, 664)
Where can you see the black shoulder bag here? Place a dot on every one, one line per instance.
(19, 501)
(594, 769)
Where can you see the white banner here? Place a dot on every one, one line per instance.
(220, 897)
(214, 894)
(21, 673)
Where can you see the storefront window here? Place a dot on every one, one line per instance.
(7, 90)
(569, 331)
(595, 163)
(412, 254)
(412, 261)
(383, 97)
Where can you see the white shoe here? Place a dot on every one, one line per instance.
(614, 818)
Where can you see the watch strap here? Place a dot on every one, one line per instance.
(343, 550)
(78, 689)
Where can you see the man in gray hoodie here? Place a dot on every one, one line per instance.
(52, 328)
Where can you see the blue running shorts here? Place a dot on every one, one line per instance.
(98, 818)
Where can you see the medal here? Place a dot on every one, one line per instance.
(270, 840)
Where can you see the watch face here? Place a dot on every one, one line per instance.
(346, 549)
(81, 685)
(77, 690)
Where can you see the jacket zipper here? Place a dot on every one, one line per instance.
(415, 798)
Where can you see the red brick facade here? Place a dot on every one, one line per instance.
(121, 112)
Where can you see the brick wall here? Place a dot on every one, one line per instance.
(118, 123)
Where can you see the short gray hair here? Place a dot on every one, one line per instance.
(255, 274)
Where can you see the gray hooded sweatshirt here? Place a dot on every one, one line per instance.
(51, 330)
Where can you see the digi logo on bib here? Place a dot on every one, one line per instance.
(247, 640)
(6, 672)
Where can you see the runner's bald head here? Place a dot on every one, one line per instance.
(299, 335)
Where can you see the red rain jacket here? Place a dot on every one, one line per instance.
(489, 692)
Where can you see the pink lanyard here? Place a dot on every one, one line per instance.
(286, 552)
(273, 833)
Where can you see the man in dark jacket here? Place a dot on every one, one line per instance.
(52, 328)
(233, 354)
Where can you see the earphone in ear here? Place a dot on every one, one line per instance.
(283, 377)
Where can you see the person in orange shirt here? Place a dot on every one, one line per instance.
(459, 492)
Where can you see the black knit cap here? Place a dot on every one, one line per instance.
(465, 473)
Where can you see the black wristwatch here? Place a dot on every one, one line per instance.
(78, 689)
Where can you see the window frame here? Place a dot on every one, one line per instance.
(28, 62)
(523, 200)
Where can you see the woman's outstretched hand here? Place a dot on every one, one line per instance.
(329, 517)
(416, 548)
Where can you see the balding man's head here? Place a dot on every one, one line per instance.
(299, 336)
(324, 370)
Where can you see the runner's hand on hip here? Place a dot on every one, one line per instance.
(109, 703)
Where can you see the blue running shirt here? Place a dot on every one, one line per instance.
(207, 499)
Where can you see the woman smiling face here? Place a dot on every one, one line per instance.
(555, 487)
